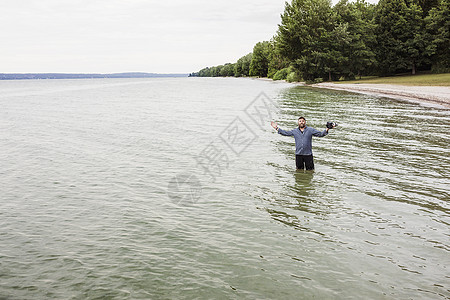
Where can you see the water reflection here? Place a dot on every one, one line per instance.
(303, 179)
(83, 179)
(379, 181)
(303, 189)
(298, 203)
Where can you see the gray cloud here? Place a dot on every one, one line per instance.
(131, 35)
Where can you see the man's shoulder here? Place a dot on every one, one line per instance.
(310, 131)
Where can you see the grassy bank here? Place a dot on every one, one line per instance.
(412, 80)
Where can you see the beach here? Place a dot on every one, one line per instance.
(430, 95)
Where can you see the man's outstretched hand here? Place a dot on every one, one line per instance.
(274, 125)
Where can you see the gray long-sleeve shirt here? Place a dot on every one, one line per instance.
(303, 140)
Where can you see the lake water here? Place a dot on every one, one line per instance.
(178, 188)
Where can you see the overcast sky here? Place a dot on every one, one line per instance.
(110, 36)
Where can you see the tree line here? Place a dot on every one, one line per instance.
(317, 41)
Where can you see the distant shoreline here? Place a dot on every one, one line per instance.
(26, 76)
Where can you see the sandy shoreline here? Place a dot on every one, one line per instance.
(431, 95)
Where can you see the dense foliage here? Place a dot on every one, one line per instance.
(317, 41)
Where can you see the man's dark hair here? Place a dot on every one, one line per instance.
(302, 118)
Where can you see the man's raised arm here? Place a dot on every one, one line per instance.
(322, 133)
(281, 131)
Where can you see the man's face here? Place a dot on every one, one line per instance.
(301, 123)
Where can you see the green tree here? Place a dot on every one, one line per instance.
(260, 59)
(281, 74)
(277, 61)
(227, 70)
(427, 5)
(305, 37)
(438, 30)
(205, 72)
(242, 66)
(415, 37)
(215, 71)
(400, 36)
(357, 33)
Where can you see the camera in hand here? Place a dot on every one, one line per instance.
(330, 125)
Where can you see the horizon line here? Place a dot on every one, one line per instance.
(94, 73)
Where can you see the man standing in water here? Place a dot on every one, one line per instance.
(303, 142)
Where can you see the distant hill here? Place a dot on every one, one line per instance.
(11, 76)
